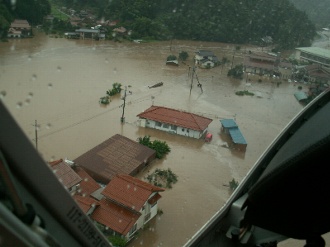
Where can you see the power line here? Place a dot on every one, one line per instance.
(92, 117)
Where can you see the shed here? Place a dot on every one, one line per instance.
(230, 127)
(300, 96)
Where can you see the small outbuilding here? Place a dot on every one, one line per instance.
(229, 127)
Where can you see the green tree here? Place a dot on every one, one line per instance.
(116, 88)
(233, 184)
(161, 147)
(162, 178)
(183, 56)
(236, 72)
(117, 241)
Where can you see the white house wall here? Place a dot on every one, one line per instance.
(179, 130)
(148, 208)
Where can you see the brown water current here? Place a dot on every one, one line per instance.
(59, 82)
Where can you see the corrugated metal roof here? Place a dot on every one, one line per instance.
(237, 136)
(176, 117)
(228, 123)
(234, 131)
(117, 155)
(300, 95)
(321, 52)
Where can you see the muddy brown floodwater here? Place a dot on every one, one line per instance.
(59, 82)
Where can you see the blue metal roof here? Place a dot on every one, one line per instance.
(300, 95)
(237, 136)
(234, 131)
(228, 123)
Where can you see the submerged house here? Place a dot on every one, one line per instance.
(19, 29)
(128, 204)
(175, 121)
(260, 63)
(205, 59)
(117, 155)
(229, 126)
(121, 208)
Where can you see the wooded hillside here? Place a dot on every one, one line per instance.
(228, 21)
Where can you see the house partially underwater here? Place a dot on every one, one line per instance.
(117, 155)
(121, 208)
(229, 127)
(175, 121)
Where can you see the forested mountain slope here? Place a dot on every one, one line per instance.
(215, 20)
(229, 21)
(317, 10)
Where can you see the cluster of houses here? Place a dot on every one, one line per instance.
(102, 181)
(315, 71)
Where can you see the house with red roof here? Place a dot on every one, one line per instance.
(131, 203)
(120, 208)
(66, 175)
(175, 121)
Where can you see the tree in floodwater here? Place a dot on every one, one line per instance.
(236, 72)
(183, 55)
(162, 178)
(160, 147)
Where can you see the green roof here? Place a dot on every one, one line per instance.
(321, 52)
(300, 96)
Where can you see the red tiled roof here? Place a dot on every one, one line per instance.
(130, 191)
(176, 117)
(154, 199)
(115, 217)
(87, 185)
(117, 155)
(65, 174)
(85, 203)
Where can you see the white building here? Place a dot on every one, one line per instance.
(175, 121)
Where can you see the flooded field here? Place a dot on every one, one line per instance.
(58, 83)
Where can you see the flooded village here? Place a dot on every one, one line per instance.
(60, 84)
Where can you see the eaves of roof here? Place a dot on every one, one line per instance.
(117, 218)
(129, 191)
(65, 174)
(321, 52)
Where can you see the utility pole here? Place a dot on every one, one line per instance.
(192, 79)
(122, 119)
(36, 133)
